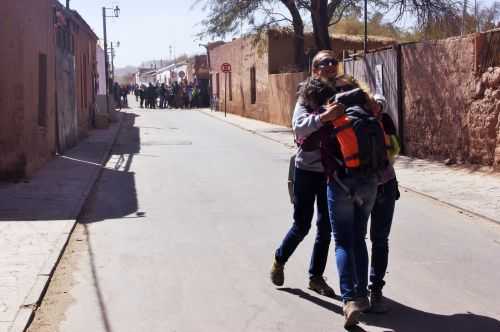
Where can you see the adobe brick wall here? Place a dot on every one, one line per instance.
(26, 29)
(438, 84)
(242, 56)
(283, 97)
(274, 54)
(85, 60)
(281, 53)
(444, 116)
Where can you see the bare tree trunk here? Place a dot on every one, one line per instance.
(298, 33)
(319, 17)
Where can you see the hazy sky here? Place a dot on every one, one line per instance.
(146, 28)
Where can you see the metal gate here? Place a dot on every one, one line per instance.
(66, 117)
(380, 70)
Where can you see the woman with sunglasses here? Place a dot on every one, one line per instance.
(309, 180)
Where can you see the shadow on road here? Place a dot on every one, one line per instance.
(115, 195)
(316, 300)
(402, 318)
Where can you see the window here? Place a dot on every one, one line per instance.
(253, 88)
(230, 86)
(217, 86)
(42, 90)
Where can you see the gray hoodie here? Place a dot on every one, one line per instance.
(304, 123)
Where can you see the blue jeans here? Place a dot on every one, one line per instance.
(349, 225)
(308, 187)
(380, 227)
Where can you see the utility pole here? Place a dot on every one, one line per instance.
(116, 12)
(476, 21)
(365, 42)
(464, 13)
(112, 52)
(106, 60)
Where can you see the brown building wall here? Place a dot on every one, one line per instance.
(272, 55)
(281, 53)
(242, 56)
(26, 31)
(283, 97)
(440, 121)
(85, 60)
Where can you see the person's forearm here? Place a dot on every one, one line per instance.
(305, 123)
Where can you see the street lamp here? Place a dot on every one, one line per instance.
(116, 14)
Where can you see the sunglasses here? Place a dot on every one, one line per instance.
(326, 63)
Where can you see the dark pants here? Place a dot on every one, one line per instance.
(308, 188)
(142, 102)
(380, 227)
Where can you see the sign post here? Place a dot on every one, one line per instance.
(226, 69)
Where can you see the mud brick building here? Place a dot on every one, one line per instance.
(47, 83)
(263, 81)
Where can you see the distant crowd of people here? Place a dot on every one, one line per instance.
(181, 94)
(175, 95)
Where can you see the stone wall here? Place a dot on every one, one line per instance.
(451, 111)
(484, 120)
(438, 85)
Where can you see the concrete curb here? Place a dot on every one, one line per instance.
(27, 310)
(476, 214)
(467, 211)
(248, 130)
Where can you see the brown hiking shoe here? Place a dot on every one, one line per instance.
(319, 285)
(277, 273)
(351, 314)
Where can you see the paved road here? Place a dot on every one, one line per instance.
(180, 232)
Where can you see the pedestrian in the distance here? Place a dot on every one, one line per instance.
(310, 183)
(142, 95)
(136, 93)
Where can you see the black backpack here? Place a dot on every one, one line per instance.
(360, 135)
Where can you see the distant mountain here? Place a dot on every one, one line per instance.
(125, 71)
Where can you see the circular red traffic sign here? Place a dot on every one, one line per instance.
(225, 67)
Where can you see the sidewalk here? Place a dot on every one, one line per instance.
(36, 219)
(473, 191)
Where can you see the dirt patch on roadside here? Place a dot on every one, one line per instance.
(58, 296)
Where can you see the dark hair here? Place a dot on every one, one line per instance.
(314, 92)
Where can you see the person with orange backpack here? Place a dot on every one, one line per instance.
(354, 154)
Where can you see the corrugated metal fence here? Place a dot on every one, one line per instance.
(380, 71)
